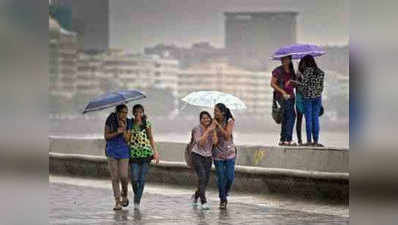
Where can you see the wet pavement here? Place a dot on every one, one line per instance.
(83, 201)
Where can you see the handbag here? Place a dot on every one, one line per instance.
(188, 152)
(277, 111)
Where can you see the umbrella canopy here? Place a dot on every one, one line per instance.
(211, 98)
(112, 99)
(298, 51)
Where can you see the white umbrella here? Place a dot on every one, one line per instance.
(211, 98)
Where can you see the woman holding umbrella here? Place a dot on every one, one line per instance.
(117, 152)
(312, 88)
(282, 82)
(224, 153)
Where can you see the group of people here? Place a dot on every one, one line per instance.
(303, 90)
(130, 142)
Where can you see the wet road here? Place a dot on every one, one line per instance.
(81, 201)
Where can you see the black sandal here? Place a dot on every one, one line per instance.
(125, 203)
(223, 205)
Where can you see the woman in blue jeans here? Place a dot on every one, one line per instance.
(224, 153)
(282, 83)
(142, 151)
(312, 88)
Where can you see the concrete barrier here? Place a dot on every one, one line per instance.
(307, 184)
(296, 158)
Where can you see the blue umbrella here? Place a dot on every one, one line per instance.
(298, 51)
(112, 99)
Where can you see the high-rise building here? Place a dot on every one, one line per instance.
(251, 87)
(89, 18)
(62, 60)
(252, 37)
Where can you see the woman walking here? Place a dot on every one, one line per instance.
(142, 150)
(204, 138)
(117, 152)
(224, 153)
(283, 85)
(312, 88)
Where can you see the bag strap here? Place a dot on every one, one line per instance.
(191, 141)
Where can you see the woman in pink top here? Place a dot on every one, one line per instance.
(224, 153)
(204, 137)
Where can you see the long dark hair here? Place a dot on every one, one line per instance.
(144, 118)
(112, 121)
(307, 61)
(120, 107)
(225, 110)
(291, 67)
(205, 113)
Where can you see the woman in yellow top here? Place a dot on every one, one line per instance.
(142, 151)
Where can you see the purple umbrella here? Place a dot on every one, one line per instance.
(298, 51)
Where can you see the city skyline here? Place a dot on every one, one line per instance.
(139, 24)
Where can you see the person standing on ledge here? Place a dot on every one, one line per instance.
(282, 83)
(312, 88)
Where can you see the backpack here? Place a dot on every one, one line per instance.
(188, 152)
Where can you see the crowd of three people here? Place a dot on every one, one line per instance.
(303, 89)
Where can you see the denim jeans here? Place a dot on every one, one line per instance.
(202, 166)
(289, 116)
(312, 107)
(299, 125)
(138, 172)
(225, 170)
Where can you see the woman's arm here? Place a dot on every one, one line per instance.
(215, 138)
(127, 136)
(227, 132)
(154, 148)
(109, 135)
(199, 138)
(274, 85)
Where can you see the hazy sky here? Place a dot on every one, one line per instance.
(135, 24)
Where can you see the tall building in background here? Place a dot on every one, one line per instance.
(90, 19)
(251, 37)
(249, 86)
(63, 52)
